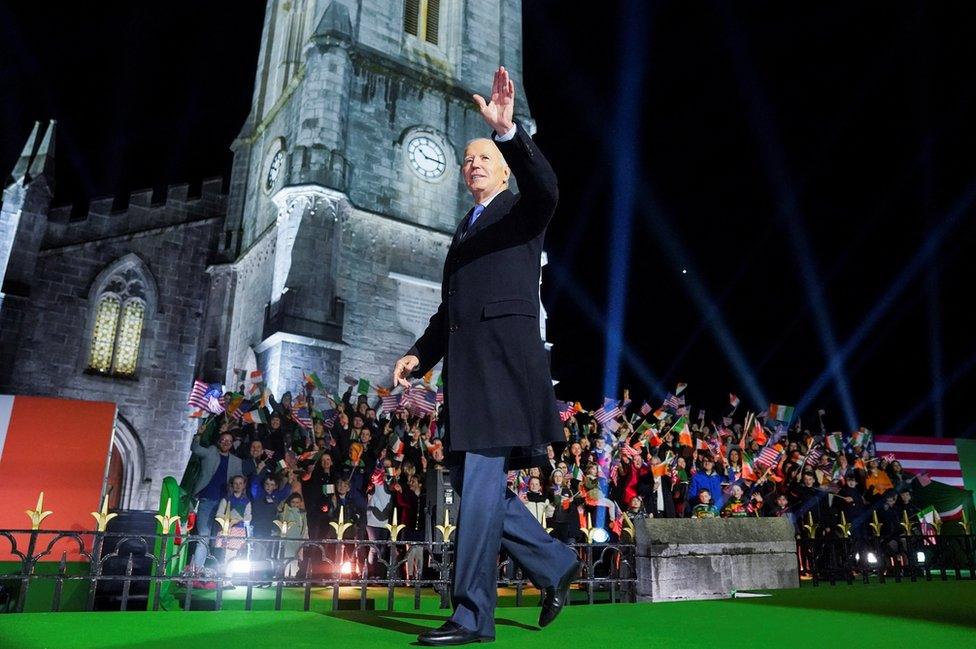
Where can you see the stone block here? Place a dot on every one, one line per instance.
(713, 558)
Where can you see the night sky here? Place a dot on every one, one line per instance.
(802, 180)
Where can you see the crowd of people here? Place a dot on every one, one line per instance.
(282, 468)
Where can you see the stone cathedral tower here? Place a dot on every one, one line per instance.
(324, 256)
(345, 187)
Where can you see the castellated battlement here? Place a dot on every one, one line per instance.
(145, 210)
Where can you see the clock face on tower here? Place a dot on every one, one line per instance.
(273, 170)
(426, 157)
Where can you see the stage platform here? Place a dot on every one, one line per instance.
(863, 616)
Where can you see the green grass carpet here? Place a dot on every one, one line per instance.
(924, 614)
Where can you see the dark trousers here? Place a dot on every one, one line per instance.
(491, 516)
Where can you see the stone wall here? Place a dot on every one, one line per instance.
(712, 558)
(45, 335)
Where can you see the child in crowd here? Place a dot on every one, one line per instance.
(735, 506)
(704, 508)
(292, 514)
(264, 509)
(236, 507)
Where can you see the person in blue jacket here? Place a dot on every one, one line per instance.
(706, 479)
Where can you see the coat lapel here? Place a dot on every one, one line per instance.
(497, 208)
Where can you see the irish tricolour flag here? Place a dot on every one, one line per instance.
(780, 412)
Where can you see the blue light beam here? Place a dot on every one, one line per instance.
(625, 126)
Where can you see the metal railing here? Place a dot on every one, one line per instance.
(911, 557)
(123, 570)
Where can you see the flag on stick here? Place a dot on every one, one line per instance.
(781, 412)
(861, 437)
(206, 396)
(256, 416)
(684, 433)
(834, 442)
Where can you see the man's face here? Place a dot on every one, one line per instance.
(707, 465)
(484, 168)
(224, 443)
(269, 486)
(257, 450)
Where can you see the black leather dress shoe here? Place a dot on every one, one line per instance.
(554, 597)
(450, 633)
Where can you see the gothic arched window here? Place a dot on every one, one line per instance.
(421, 18)
(121, 296)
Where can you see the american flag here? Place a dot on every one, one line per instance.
(566, 409)
(644, 409)
(672, 402)
(440, 396)
(610, 410)
(935, 456)
(769, 456)
(329, 418)
(206, 396)
(302, 418)
(390, 402)
(813, 457)
(420, 400)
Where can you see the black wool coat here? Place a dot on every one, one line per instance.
(497, 385)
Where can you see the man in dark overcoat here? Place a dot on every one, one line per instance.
(500, 407)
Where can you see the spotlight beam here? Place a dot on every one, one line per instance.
(625, 127)
(936, 395)
(921, 259)
(763, 124)
(592, 313)
(659, 227)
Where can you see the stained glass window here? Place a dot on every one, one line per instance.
(103, 334)
(130, 333)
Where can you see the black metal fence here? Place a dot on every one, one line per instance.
(123, 571)
(910, 557)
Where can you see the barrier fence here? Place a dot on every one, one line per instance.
(906, 556)
(121, 571)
